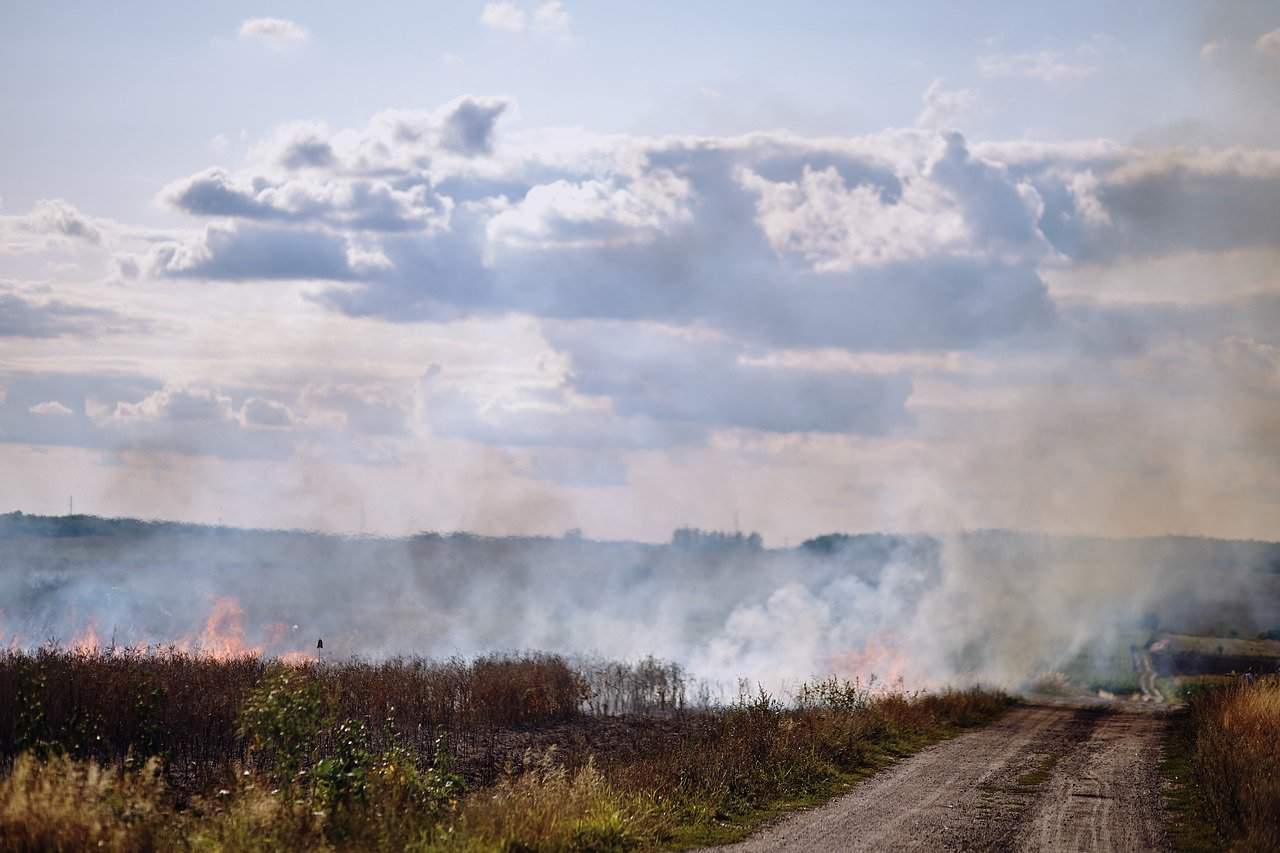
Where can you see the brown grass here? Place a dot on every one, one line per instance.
(359, 766)
(61, 804)
(184, 707)
(1236, 760)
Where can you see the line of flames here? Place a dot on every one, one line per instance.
(222, 637)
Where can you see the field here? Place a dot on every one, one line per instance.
(142, 750)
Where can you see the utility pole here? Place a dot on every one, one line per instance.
(71, 504)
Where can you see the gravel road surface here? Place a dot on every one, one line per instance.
(1043, 777)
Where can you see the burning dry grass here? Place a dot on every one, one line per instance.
(1236, 760)
(254, 755)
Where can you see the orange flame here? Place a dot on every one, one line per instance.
(223, 637)
(880, 660)
(87, 640)
(223, 634)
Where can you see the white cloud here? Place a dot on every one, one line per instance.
(1269, 44)
(594, 213)
(943, 106)
(51, 222)
(836, 227)
(1210, 50)
(50, 407)
(275, 32)
(503, 15)
(551, 17)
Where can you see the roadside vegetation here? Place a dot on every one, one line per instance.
(169, 751)
(1223, 765)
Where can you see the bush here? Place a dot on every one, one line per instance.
(283, 717)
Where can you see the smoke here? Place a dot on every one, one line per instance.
(991, 607)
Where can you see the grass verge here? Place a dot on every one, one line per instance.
(1190, 829)
(1222, 768)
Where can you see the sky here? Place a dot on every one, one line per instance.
(527, 267)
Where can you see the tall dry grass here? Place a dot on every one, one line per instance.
(106, 705)
(353, 756)
(1236, 761)
(59, 804)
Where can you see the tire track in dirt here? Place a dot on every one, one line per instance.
(1040, 778)
(1104, 795)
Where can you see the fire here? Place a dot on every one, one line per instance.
(297, 658)
(223, 634)
(87, 640)
(880, 660)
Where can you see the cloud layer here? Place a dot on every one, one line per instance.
(910, 297)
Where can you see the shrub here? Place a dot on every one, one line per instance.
(283, 718)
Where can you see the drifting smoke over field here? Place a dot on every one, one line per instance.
(995, 607)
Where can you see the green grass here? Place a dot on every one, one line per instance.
(1190, 830)
(1041, 774)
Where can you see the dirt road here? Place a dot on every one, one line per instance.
(1043, 777)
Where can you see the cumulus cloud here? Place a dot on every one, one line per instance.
(723, 232)
(469, 123)
(50, 223)
(943, 106)
(503, 15)
(551, 17)
(666, 272)
(49, 407)
(965, 204)
(244, 252)
(275, 32)
(356, 203)
(265, 413)
(1163, 202)
(594, 213)
(1269, 44)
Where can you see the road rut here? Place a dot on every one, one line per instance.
(1042, 777)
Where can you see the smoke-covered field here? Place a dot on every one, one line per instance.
(993, 607)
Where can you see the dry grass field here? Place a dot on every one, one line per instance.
(138, 751)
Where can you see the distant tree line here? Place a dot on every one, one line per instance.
(692, 537)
